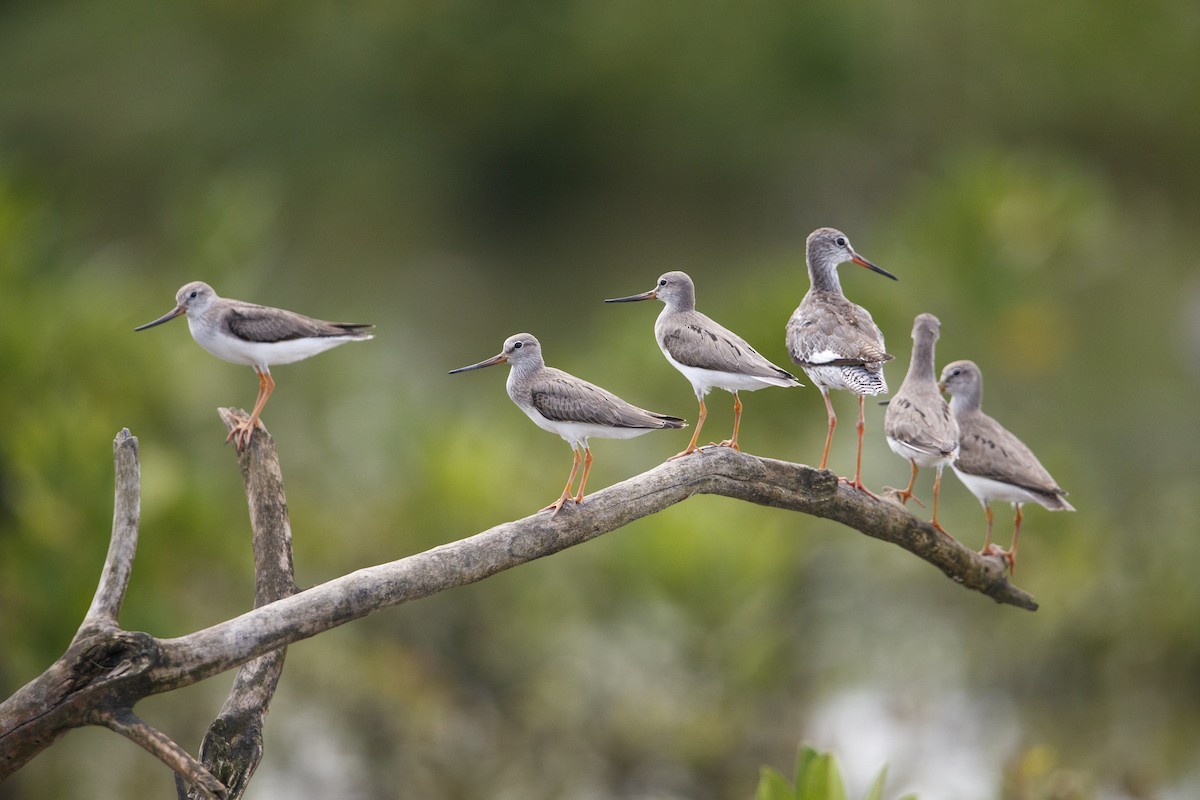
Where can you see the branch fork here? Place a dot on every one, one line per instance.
(106, 670)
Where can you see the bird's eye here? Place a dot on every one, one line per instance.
(518, 345)
(840, 241)
(956, 372)
(662, 282)
(193, 294)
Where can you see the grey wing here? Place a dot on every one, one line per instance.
(565, 398)
(699, 342)
(263, 324)
(835, 332)
(989, 450)
(927, 427)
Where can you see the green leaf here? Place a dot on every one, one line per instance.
(773, 786)
(822, 780)
(804, 761)
(876, 790)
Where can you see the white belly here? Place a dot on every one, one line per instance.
(576, 433)
(987, 489)
(703, 380)
(919, 457)
(262, 354)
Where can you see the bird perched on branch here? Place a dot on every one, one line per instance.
(835, 342)
(257, 336)
(992, 462)
(576, 410)
(918, 423)
(709, 355)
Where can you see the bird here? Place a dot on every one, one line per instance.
(918, 423)
(258, 336)
(835, 342)
(993, 463)
(561, 403)
(709, 355)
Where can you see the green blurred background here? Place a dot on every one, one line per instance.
(457, 172)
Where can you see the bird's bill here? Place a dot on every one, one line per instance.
(499, 358)
(862, 262)
(170, 315)
(633, 298)
(942, 387)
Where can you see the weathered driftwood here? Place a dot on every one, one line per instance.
(233, 747)
(106, 670)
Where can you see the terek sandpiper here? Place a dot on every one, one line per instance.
(258, 336)
(571, 407)
(707, 354)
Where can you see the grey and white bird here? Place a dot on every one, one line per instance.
(918, 423)
(576, 410)
(708, 354)
(257, 336)
(835, 342)
(992, 462)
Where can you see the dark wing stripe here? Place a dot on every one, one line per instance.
(579, 401)
(276, 325)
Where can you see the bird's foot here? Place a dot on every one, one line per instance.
(903, 495)
(858, 484)
(242, 430)
(727, 443)
(1004, 555)
(557, 505)
(937, 526)
(687, 452)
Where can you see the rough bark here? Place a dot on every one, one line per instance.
(106, 670)
(233, 746)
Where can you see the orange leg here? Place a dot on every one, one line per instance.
(861, 426)
(587, 467)
(737, 423)
(990, 549)
(243, 430)
(1011, 557)
(832, 425)
(905, 495)
(937, 488)
(557, 505)
(691, 448)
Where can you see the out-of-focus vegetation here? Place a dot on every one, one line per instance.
(817, 777)
(457, 172)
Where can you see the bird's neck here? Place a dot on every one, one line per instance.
(824, 278)
(921, 366)
(969, 403)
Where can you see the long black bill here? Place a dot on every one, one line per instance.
(490, 362)
(650, 295)
(862, 262)
(170, 315)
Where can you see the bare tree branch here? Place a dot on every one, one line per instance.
(233, 746)
(112, 669)
(157, 743)
(118, 565)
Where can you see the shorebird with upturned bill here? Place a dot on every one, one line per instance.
(918, 423)
(709, 355)
(835, 342)
(993, 463)
(257, 336)
(576, 410)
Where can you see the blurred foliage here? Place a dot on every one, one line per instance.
(818, 777)
(457, 172)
